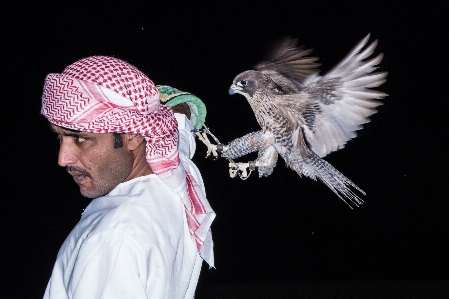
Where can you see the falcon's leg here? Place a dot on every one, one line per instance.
(255, 141)
(238, 147)
(249, 143)
(266, 161)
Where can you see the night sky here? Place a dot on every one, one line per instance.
(276, 237)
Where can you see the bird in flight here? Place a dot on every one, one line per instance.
(304, 116)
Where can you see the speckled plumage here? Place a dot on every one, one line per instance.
(305, 116)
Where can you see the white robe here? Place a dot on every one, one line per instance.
(133, 242)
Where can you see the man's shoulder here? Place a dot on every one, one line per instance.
(148, 211)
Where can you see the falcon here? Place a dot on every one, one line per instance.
(304, 116)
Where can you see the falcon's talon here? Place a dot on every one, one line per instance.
(211, 148)
(239, 169)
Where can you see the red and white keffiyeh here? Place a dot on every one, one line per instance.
(101, 94)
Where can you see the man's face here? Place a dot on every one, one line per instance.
(96, 166)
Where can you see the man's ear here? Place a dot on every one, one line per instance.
(134, 141)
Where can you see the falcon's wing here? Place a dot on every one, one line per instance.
(288, 64)
(334, 106)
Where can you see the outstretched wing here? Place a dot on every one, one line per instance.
(341, 101)
(288, 65)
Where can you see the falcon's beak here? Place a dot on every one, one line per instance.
(233, 89)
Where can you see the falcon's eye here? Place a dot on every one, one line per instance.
(243, 83)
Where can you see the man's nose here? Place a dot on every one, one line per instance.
(67, 153)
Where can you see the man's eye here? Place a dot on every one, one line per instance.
(79, 139)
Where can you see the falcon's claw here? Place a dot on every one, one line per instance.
(239, 169)
(211, 148)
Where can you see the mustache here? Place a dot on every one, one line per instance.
(74, 169)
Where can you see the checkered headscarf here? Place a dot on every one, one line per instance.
(102, 94)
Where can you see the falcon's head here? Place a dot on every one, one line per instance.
(248, 82)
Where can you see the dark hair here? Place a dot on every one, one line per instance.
(118, 141)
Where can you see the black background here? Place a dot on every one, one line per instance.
(276, 237)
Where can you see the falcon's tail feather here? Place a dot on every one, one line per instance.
(331, 177)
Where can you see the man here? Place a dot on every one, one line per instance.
(147, 229)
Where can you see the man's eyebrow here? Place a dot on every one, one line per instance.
(70, 133)
(73, 134)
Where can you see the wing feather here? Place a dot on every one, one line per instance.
(369, 81)
(289, 62)
(350, 62)
(345, 100)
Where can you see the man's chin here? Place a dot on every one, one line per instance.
(91, 193)
(88, 195)
(87, 191)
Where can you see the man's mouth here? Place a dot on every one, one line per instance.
(78, 174)
(78, 177)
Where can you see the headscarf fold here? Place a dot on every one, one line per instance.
(101, 94)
